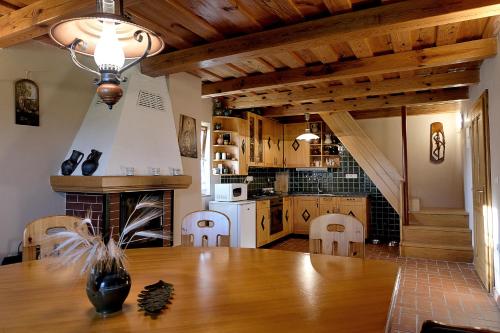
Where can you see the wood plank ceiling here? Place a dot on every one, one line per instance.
(294, 56)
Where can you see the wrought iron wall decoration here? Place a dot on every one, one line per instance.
(27, 103)
(438, 143)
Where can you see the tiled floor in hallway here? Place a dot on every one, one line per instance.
(430, 289)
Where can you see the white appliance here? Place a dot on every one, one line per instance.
(242, 215)
(231, 192)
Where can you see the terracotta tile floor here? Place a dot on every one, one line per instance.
(446, 291)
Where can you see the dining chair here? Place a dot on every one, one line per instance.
(338, 235)
(205, 228)
(430, 326)
(35, 242)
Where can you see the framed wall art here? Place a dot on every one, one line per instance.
(27, 103)
(187, 137)
(438, 143)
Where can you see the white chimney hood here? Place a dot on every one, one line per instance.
(138, 132)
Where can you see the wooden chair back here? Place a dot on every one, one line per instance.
(338, 235)
(206, 228)
(35, 244)
(431, 326)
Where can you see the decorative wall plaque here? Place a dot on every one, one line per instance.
(27, 103)
(438, 144)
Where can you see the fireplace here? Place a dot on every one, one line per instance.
(110, 198)
(110, 211)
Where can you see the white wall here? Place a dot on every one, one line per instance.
(437, 185)
(185, 93)
(490, 79)
(29, 155)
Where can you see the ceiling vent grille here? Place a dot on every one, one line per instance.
(150, 101)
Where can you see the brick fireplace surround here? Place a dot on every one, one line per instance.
(106, 207)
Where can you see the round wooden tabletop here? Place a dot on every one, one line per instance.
(216, 290)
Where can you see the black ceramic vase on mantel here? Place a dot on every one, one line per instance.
(68, 166)
(108, 289)
(91, 163)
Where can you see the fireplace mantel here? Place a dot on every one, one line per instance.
(115, 184)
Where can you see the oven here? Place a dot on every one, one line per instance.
(276, 215)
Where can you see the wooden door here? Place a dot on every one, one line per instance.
(305, 209)
(287, 215)
(269, 143)
(263, 222)
(296, 152)
(328, 206)
(483, 229)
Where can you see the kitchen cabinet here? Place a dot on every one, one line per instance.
(229, 139)
(305, 209)
(255, 125)
(287, 215)
(296, 152)
(273, 143)
(263, 209)
(328, 205)
(278, 144)
(357, 207)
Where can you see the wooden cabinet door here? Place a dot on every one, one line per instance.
(278, 144)
(263, 222)
(242, 143)
(287, 215)
(357, 207)
(328, 205)
(296, 152)
(255, 140)
(305, 209)
(269, 143)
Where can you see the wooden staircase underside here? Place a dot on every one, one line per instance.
(441, 234)
(369, 157)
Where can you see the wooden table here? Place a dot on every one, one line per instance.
(216, 290)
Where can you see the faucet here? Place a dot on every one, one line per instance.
(317, 179)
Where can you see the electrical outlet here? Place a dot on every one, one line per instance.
(351, 176)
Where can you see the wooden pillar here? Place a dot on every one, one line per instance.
(405, 202)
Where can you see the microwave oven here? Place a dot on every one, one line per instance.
(230, 192)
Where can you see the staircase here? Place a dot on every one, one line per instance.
(441, 234)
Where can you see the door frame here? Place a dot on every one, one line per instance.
(488, 216)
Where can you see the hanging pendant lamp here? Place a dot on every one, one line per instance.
(307, 135)
(111, 39)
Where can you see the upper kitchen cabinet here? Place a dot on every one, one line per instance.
(230, 145)
(273, 143)
(255, 131)
(296, 152)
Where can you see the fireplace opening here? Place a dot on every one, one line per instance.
(128, 201)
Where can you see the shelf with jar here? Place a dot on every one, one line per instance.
(324, 152)
(229, 147)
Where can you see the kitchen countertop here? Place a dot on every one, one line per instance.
(258, 198)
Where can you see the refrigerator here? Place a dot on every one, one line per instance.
(242, 217)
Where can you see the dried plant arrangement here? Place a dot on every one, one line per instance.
(104, 258)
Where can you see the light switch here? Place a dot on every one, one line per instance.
(351, 175)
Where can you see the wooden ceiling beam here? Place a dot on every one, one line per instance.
(386, 87)
(371, 103)
(398, 62)
(419, 110)
(406, 15)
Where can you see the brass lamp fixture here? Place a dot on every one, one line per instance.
(307, 135)
(111, 39)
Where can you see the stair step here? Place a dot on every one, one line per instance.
(437, 235)
(437, 252)
(445, 217)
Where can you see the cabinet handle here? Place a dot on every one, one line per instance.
(262, 223)
(279, 141)
(286, 215)
(243, 146)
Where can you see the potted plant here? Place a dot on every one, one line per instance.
(103, 258)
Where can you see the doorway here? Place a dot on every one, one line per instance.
(481, 190)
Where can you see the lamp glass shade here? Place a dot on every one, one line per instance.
(108, 53)
(91, 29)
(307, 136)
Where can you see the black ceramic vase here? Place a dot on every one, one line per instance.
(91, 163)
(68, 166)
(107, 290)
